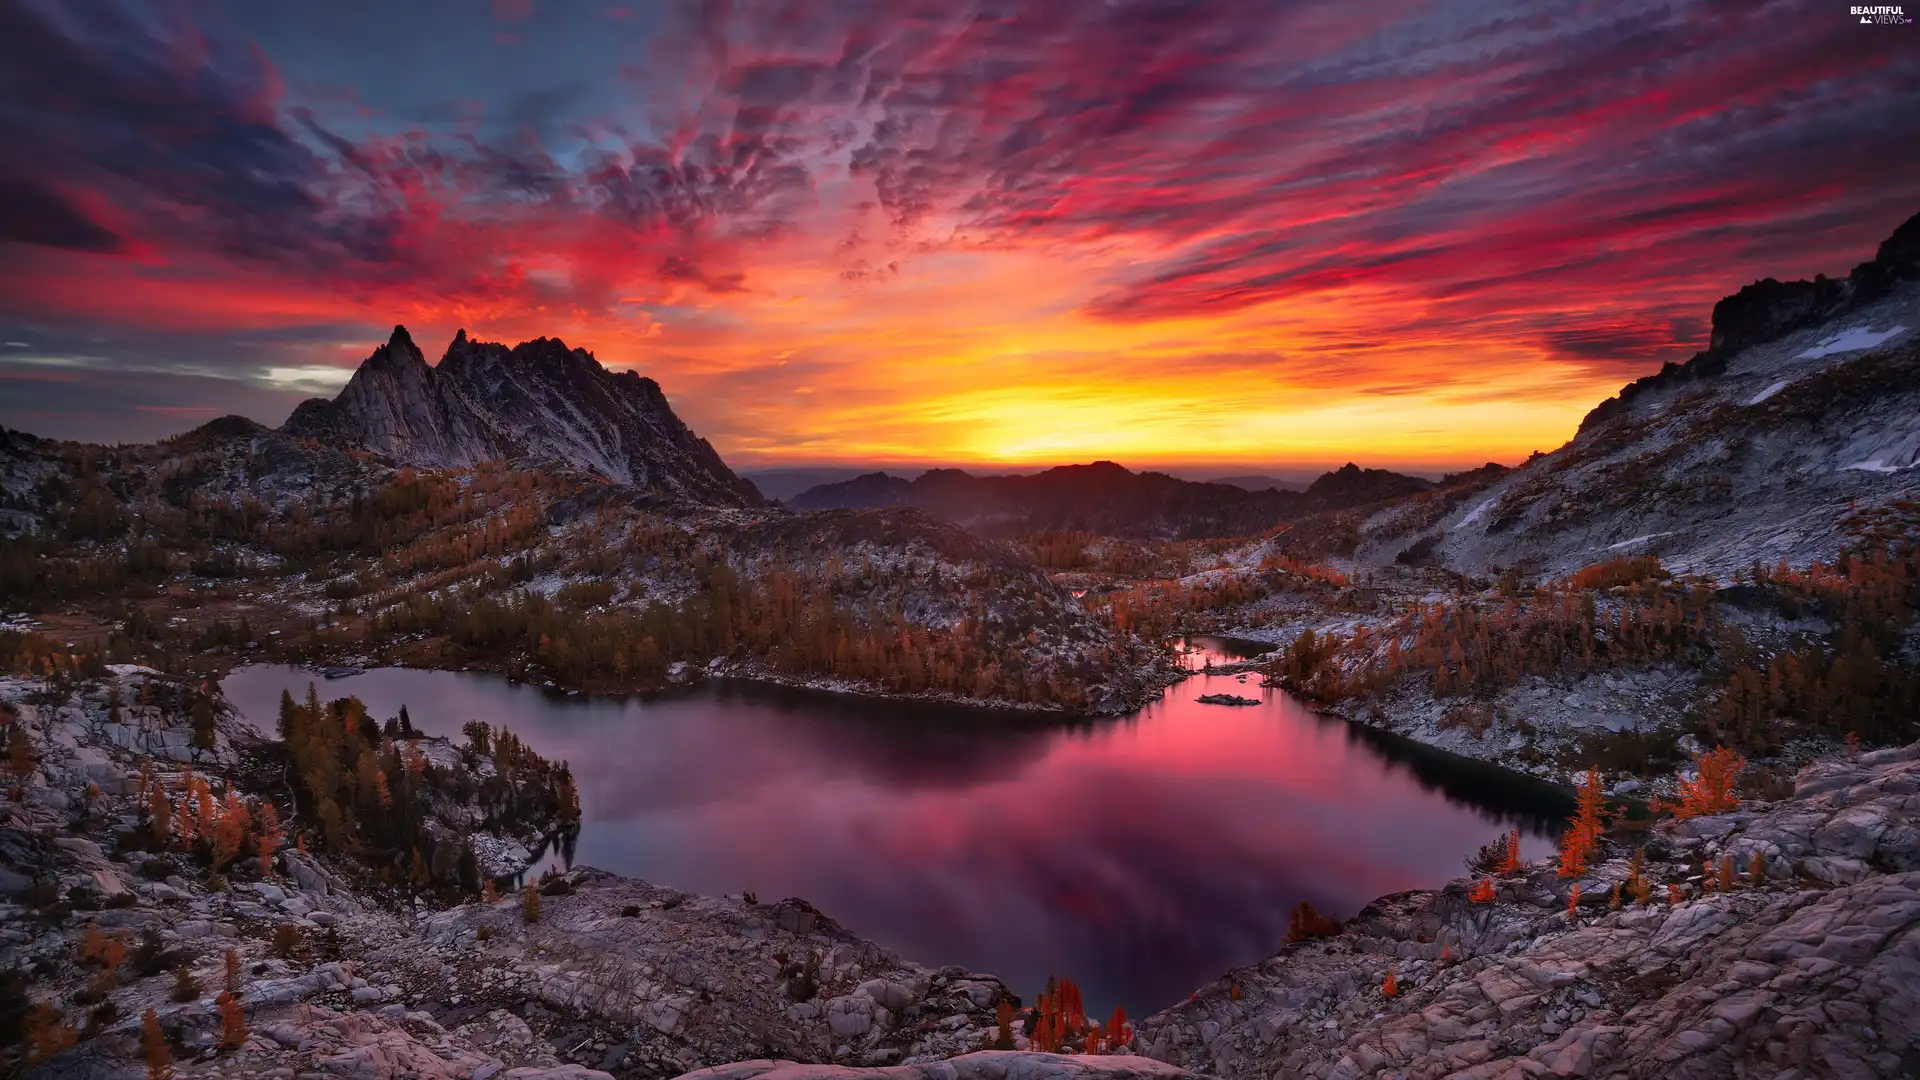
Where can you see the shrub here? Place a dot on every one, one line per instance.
(185, 986)
(47, 1033)
(151, 956)
(530, 904)
(1304, 922)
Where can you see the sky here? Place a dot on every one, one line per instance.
(1210, 233)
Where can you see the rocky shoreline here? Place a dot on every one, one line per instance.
(1809, 969)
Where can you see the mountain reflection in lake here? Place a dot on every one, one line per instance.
(1142, 856)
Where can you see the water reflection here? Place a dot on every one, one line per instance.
(1142, 856)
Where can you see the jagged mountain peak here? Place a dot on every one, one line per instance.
(399, 351)
(538, 402)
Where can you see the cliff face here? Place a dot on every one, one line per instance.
(537, 403)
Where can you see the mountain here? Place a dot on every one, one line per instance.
(1258, 482)
(537, 403)
(1109, 499)
(1350, 485)
(1796, 432)
(1101, 498)
(784, 484)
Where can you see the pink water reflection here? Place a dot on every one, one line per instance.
(1142, 856)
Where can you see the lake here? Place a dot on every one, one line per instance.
(1142, 856)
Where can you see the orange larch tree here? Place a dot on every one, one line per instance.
(1119, 1034)
(1582, 837)
(153, 1046)
(1711, 789)
(1510, 859)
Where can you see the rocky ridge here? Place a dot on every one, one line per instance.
(1777, 443)
(537, 403)
(1110, 500)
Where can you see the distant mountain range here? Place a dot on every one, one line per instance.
(537, 403)
(545, 405)
(1260, 482)
(1106, 498)
(1801, 415)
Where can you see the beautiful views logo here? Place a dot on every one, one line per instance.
(1882, 16)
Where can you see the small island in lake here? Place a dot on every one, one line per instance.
(1226, 699)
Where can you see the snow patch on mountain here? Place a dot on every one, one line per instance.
(1477, 513)
(1768, 392)
(1853, 340)
(1636, 540)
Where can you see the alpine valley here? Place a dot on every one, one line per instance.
(1700, 613)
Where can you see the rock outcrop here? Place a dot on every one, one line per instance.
(1814, 970)
(1799, 423)
(986, 1065)
(537, 403)
(1769, 309)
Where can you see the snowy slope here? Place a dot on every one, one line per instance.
(1769, 446)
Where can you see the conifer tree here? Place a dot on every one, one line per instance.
(153, 1047)
(267, 840)
(1711, 789)
(1510, 858)
(233, 1021)
(1582, 837)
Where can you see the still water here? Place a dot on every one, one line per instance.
(1141, 857)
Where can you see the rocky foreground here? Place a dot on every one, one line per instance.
(1812, 968)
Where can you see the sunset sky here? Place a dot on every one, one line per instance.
(1015, 232)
